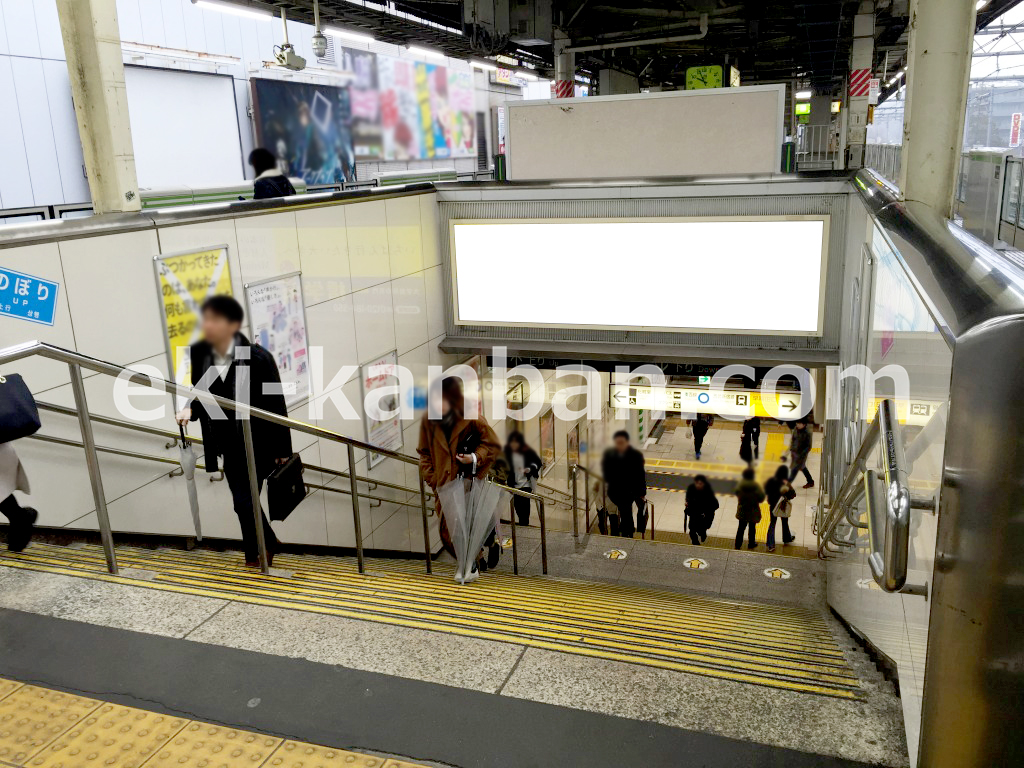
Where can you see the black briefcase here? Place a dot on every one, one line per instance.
(19, 416)
(285, 488)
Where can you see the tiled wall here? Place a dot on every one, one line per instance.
(371, 280)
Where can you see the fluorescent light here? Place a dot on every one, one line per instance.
(356, 37)
(804, 95)
(526, 75)
(484, 66)
(235, 10)
(980, 4)
(424, 53)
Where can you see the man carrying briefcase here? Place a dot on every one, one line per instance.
(225, 363)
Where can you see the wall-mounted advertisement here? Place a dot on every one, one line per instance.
(184, 281)
(547, 439)
(572, 446)
(277, 322)
(636, 268)
(308, 128)
(386, 433)
(364, 99)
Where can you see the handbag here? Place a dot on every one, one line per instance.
(285, 488)
(19, 416)
(782, 508)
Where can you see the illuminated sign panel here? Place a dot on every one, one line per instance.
(757, 274)
(803, 109)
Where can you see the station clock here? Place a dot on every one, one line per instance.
(704, 76)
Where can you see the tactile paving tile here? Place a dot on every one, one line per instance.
(111, 737)
(199, 745)
(31, 717)
(298, 754)
(7, 687)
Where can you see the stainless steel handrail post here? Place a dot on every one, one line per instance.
(586, 503)
(575, 521)
(357, 524)
(543, 538)
(92, 461)
(512, 525)
(254, 491)
(426, 525)
(897, 497)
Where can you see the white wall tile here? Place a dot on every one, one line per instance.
(65, 133)
(15, 181)
(129, 21)
(417, 360)
(375, 321)
(20, 23)
(51, 46)
(213, 28)
(111, 322)
(433, 281)
(334, 455)
(429, 223)
(40, 261)
(408, 295)
(206, 234)
(174, 24)
(405, 241)
(368, 253)
(323, 252)
(331, 326)
(152, 21)
(268, 246)
(37, 131)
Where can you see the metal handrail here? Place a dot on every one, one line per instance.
(574, 471)
(77, 361)
(543, 527)
(887, 499)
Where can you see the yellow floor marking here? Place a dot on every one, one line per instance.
(66, 731)
(32, 717)
(297, 754)
(111, 736)
(199, 744)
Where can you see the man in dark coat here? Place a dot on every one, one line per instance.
(225, 363)
(626, 476)
(799, 451)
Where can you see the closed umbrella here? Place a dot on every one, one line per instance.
(187, 458)
(453, 498)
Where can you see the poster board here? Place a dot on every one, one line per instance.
(277, 322)
(547, 440)
(385, 433)
(572, 446)
(184, 281)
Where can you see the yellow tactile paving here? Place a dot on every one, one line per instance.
(66, 731)
(785, 647)
(32, 717)
(112, 736)
(200, 745)
(298, 754)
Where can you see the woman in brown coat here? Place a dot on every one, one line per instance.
(454, 445)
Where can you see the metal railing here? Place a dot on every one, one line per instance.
(815, 147)
(76, 362)
(887, 500)
(884, 159)
(543, 527)
(574, 471)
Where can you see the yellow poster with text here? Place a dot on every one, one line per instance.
(186, 280)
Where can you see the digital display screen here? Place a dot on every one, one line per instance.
(761, 274)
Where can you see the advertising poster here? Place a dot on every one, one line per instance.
(547, 439)
(308, 128)
(383, 433)
(572, 448)
(364, 99)
(277, 322)
(462, 138)
(399, 109)
(184, 282)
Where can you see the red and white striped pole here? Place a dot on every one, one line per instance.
(565, 67)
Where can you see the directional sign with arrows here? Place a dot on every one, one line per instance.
(776, 573)
(728, 402)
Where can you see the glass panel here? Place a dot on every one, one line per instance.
(1011, 191)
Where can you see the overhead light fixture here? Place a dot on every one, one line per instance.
(484, 66)
(980, 4)
(424, 53)
(234, 10)
(527, 75)
(803, 95)
(356, 37)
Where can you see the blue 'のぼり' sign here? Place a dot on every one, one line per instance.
(27, 298)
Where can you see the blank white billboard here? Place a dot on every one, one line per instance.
(760, 275)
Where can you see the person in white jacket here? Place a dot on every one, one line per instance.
(13, 478)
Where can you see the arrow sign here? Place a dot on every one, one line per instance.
(618, 396)
(776, 573)
(789, 405)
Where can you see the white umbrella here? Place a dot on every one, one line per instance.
(452, 496)
(187, 458)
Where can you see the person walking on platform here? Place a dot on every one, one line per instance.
(453, 445)
(749, 496)
(227, 364)
(269, 182)
(624, 472)
(525, 466)
(799, 451)
(780, 494)
(701, 504)
(700, 427)
(752, 432)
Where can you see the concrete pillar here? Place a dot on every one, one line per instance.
(861, 59)
(941, 39)
(612, 81)
(92, 44)
(565, 66)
